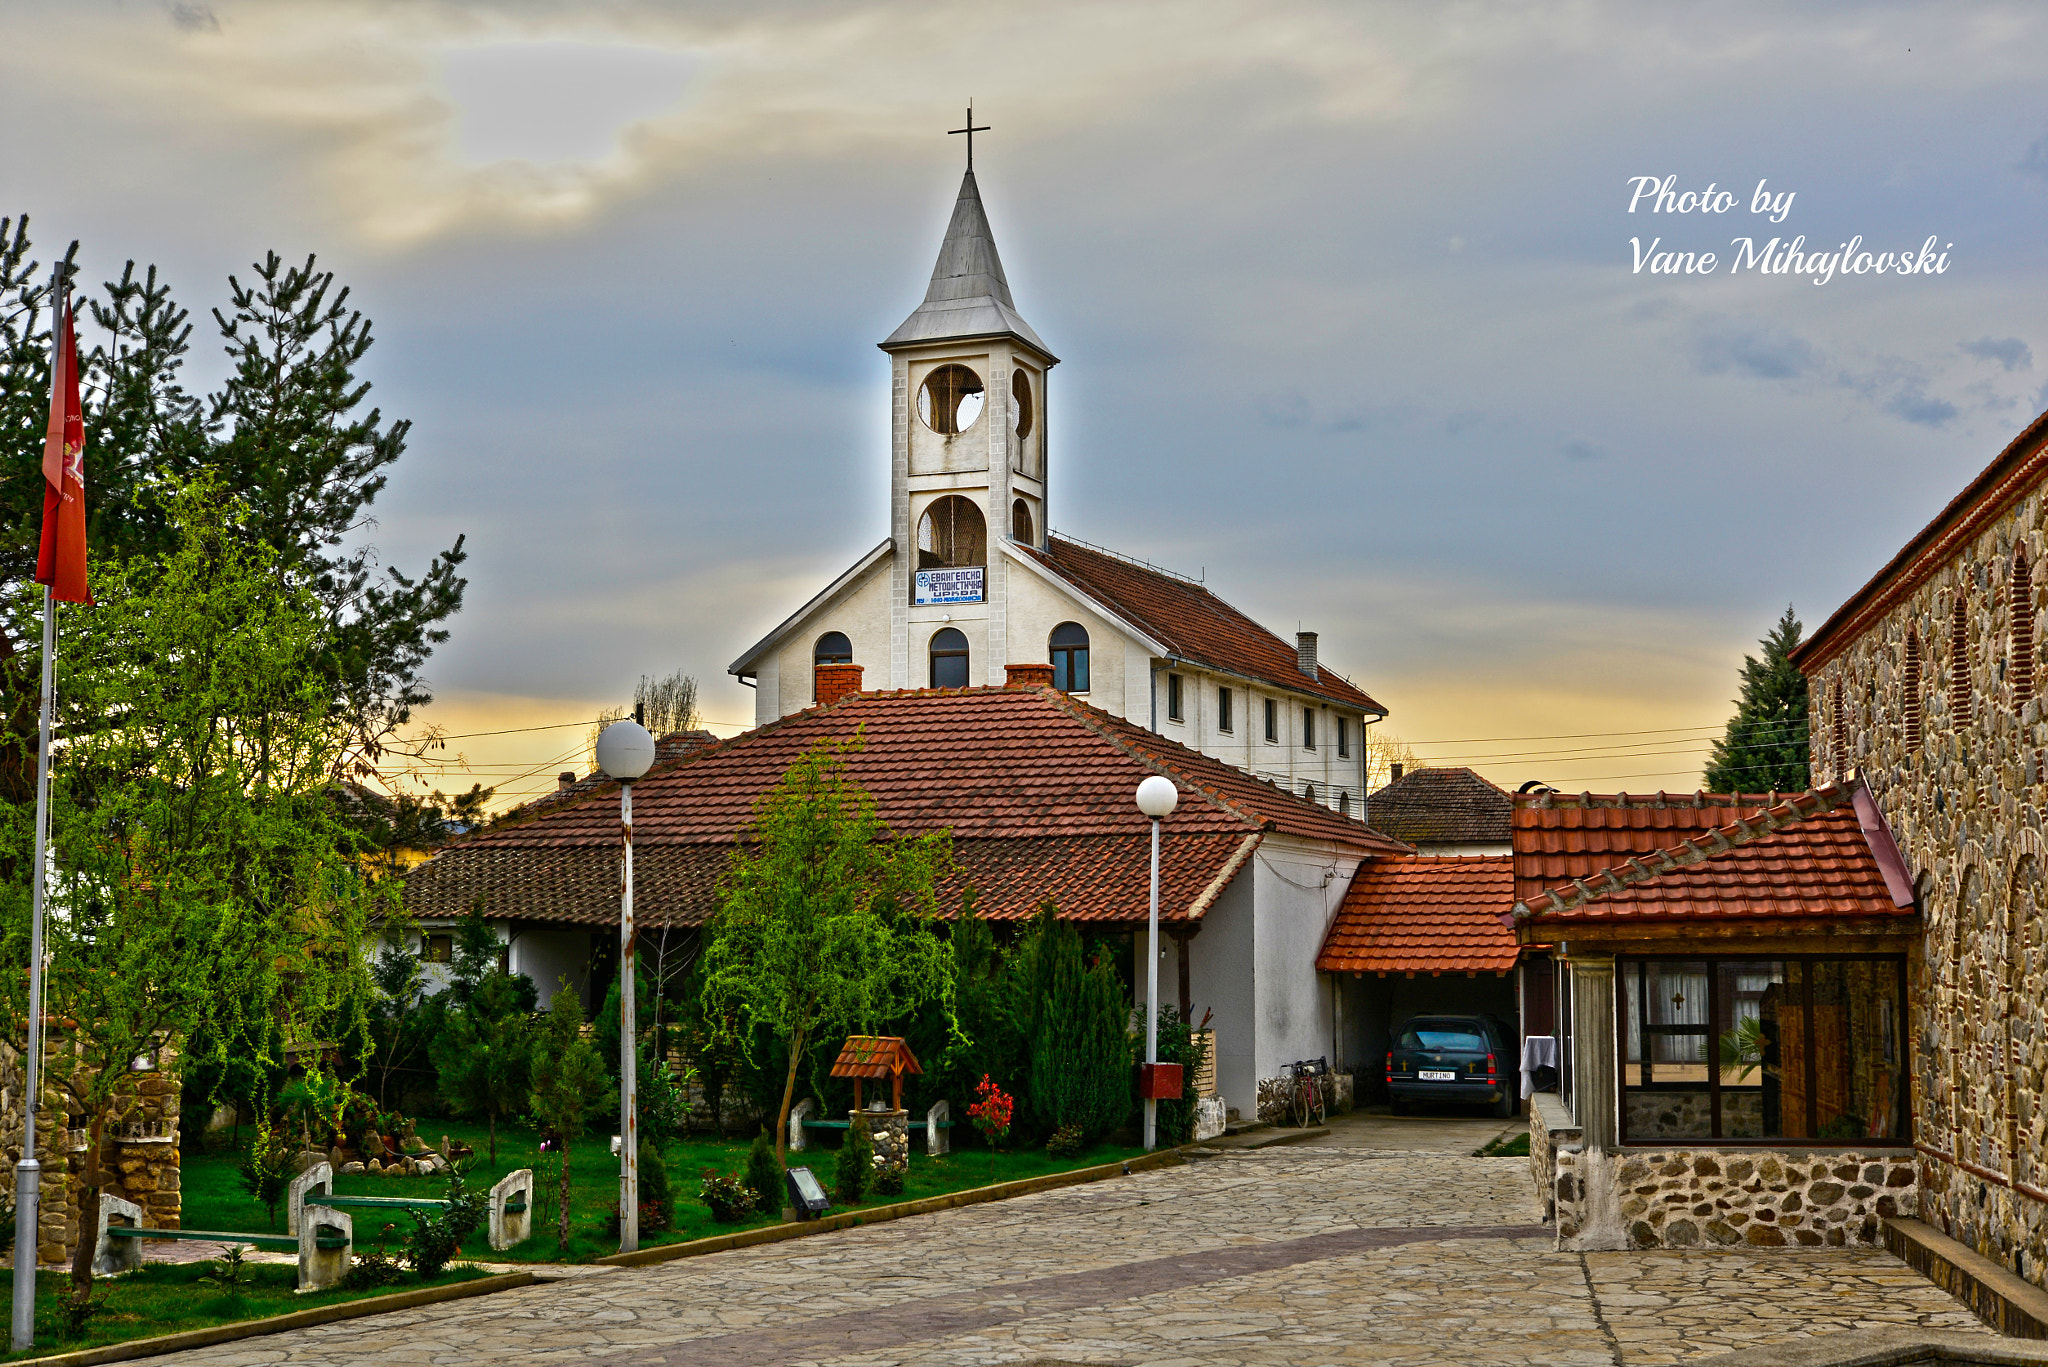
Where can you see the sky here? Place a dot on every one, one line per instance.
(1355, 304)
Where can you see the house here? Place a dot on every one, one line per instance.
(1449, 811)
(1037, 787)
(1732, 1013)
(971, 580)
(1925, 685)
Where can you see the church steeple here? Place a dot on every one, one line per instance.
(968, 295)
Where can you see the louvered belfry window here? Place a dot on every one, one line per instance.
(1910, 705)
(1959, 661)
(2021, 670)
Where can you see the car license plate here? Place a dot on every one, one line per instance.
(1427, 1076)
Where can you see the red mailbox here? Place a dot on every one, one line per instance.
(1159, 1081)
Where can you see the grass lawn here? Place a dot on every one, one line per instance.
(166, 1298)
(214, 1199)
(1517, 1147)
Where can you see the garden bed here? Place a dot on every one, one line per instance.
(171, 1299)
(214, 1199)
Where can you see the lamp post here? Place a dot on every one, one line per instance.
(624, 752)
(1157, 797)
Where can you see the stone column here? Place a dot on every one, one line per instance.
(1592, 1185)
(890, 1131)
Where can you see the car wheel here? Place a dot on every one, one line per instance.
(1505, 1108)
(1398, 1105)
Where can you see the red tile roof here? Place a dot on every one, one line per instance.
(1443, 806)
(1561, 836)
(1191, 622)
(1035, 787)
(1424, 914)
(1820, 855)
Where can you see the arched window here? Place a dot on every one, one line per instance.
(1838, 736)
(2021, 670)
(833, 649)
(1959, 661)
(1069, 646)
(1308, 790)
(951, 535)
(1910, 705)
(1020, 523)
(1344, 802)
(949, 658)
(1021, 415)
(949, 401)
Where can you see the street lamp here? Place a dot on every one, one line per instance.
(1157, 797)
(624, 752)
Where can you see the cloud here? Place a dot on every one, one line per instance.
(1727, 346)
(193, 18)
(1918, 408)
(2035, 162)
(1578, 448)
(2009, 352)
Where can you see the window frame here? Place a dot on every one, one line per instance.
(1225, 723)
(1343, 738)
(1064, 658)
(1272, 720)
(1901, 1025)
(1174, 702)
(428, 946)
(933, 654)
(1308, 728)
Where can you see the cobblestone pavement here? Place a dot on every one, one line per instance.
(1284, 1256)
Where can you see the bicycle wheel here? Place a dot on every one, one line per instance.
(1299, 1111)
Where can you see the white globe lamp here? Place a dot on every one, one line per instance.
(625, 750)
(1157, 797)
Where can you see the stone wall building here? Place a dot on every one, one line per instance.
(1927, 684)
(142, 1149)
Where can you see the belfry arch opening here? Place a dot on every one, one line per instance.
(951, 535)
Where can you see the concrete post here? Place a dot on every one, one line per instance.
(320, 1268)
(1596, 1099)
(935, 1137)
(509, 1227)
(312, 1184)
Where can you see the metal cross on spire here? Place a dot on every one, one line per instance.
(970, 130)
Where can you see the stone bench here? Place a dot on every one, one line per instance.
(325, 1242)
(511, 1199)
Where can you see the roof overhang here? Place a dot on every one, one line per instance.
(746, 664)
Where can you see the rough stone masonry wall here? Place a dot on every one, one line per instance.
(1686, 1198)
(1966, 804)
(142, 1150)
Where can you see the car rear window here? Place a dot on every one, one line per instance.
(1443, 1037)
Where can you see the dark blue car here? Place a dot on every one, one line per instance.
(1452, 1058)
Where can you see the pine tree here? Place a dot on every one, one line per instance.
(568, 1081)
(1080, 1050)
(1765, 748)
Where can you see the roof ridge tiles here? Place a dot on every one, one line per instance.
(1689, 851)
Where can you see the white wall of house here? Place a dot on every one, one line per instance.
(548, 956)
(861, 610)
(1222, 978)
(1289, 760)
(1296, 886)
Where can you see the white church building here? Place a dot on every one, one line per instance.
(970, 582)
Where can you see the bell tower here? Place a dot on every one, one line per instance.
(967, 457)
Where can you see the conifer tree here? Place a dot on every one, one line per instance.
(1764, 749)
(1080, 1050)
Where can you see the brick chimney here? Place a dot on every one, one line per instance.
(1305, 653)
(834, 682)
(565, 780)
(1027, 676)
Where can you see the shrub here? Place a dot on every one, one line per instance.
(856, 1167)
(375, 1268)
(1067, 1142)
(655, 1193)
(764, 1175)
(266, 1169)
(728, 1195)
(1080, 1051)
(1179, 1042)
(437, 1235)
(889, 1178)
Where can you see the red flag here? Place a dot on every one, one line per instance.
(62, 562)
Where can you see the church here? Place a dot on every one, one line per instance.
(971, 587)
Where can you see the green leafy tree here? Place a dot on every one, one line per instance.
(484, 1055)
(568, 1081)
(1764, 748)
(401, 1027)
(204, 897)
(290, 431)
(265, 1170)
(825, 919)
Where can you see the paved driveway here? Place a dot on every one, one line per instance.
(1291, 1255)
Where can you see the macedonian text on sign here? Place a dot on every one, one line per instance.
(949, 586)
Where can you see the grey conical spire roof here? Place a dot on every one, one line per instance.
(968, 296)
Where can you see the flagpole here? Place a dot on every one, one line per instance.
(28, 1173)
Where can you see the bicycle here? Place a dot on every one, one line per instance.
(1308, 1102)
